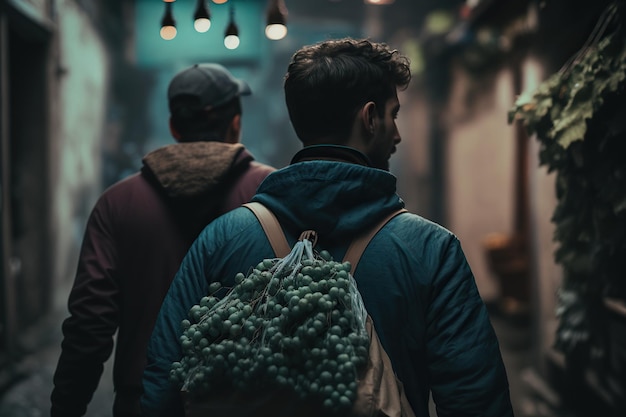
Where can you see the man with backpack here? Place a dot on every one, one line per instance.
(413, 276)
(141, 228)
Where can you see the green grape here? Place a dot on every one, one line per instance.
(235, 330)
(335, 330)
(214, 287)
(326, 377)
(206, 352)
(296, 311)
(187, 345)
(312, 332)
(324, 254)
(272, 371)
(226, 324)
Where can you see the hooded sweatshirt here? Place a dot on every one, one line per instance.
(136, 237)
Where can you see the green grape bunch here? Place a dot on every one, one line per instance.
(294, 322)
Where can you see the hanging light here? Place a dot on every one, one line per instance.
(202, 17)
(276, 20)
(378, 2)
(168, 24)
(219, 1)
(231, 37)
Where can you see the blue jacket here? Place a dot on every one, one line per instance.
(414, 279)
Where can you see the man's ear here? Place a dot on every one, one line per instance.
(234, 130)
(174, 132)
(369, 117)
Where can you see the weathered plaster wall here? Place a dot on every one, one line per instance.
(547, 274)
(81, 102)
(480, 189)
(480, 175)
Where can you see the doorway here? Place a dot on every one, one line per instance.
(25, 283)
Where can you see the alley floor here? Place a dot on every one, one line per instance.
(28, 394)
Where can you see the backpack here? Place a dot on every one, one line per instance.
(306, 347)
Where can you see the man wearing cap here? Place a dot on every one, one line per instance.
(139, 231)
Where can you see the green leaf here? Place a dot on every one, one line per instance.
(525, 99)
(572, 126)
(532, 106)
(615, 79)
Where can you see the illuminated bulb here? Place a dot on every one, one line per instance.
(378, 2)
(202, 17)
(231, 41)
(219, 1)
(276, 27)
(276, 31)
(168, 32)
(202, 24)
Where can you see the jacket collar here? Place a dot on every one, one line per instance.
(337, 153)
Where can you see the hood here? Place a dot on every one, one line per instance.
(337, 199)
(191, 169)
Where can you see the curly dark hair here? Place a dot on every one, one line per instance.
(327, 82)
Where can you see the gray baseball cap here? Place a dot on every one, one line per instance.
(211, 84)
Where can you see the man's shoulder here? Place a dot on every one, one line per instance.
(421, 234)
(126, 183)
(261, 167)
(412, 222)
(135, 184)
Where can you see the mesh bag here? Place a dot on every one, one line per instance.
(291, 337)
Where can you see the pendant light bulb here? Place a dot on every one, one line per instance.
(275, 32)
(219, 1)
(231, 36)
(202, 17)
(276, 28)
(231, 42)
(168, 24)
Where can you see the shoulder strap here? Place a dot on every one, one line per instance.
(358, 245)
(271, 227)
(277, 239)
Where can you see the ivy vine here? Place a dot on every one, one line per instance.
(578, 115)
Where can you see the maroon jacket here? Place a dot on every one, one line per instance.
(136, 237)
